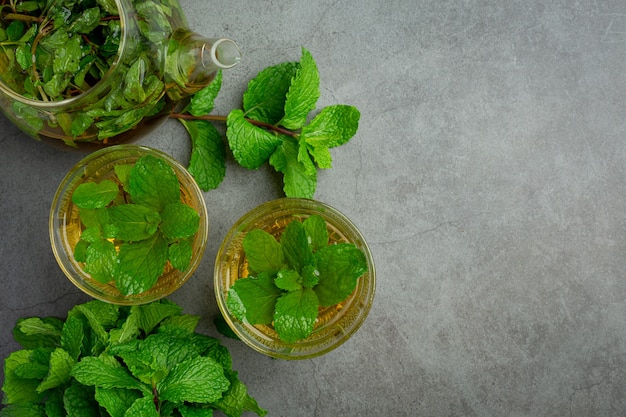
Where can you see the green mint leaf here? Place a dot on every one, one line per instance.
(179, 220)
(129, 329)
(87, 21)
(133, 81)
(298, 181)
(253, 299)
(116, 400)
(202, 102)
(190, 411)
(72, 336)
(61, 364)
(23, 57)
(333, 126)
(24, 410)
(94, 218)
(67, 59)
(295, 314)
(340, 266)
(16, 30)
(32, 370)
(91, 195)
(264, 100)
(143, 407)
(295, 244)
(18, 390)
(207, 164)
(100, 260)
(316, 230)
(263, 252)
(34, 332)
(140, 265)
(310, 276)
(153, 313)
(152, 182)
(79, 401)
(180, 254)
(105, 372)
(303, 93)
(123, 172)
(305, 158)
(184, 324)
(99, 315)
(133, 222)
(54, 404)
(288, 280)
(199, 380)
(236, 400)
(321, 155)
(80, 124)
(251, 145)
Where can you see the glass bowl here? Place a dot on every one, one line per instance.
(65, 225)
(335, 324)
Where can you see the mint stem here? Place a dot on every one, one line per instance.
(214, 118)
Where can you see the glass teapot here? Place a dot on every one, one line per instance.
(92, 73)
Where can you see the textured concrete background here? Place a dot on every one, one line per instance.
(487, 176)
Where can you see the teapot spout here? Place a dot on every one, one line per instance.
(193, 62)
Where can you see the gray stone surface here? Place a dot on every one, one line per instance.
(487, 176)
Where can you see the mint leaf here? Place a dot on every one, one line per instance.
(321, 155)
(295, 315)
(133, 222)
(91, 235)
(140, 265)
(253, 299)
(143, 407)
(67, 59)
(123, 172)
(316, 231)
(100, 260)
(60, 368)
(196, 380)
(16, 389)
(236, 400)
(333, 126)
(179, 221)
(251, 145)
(152, 314)
(72, 336)
(310, 276)
(263, 252)
(23, 410)
(87, 21)
(189, 411)
(180, 254)
(303, 93)
(116, 400)
(202, 102)
(288, 280)
(44, 332)
(90, 195)
(339, 266)
(207, 164)
(264, 100)
(152, 182)
(78, 401)
(298, 181)
(105, 372)
(129, 329)
(295, 244)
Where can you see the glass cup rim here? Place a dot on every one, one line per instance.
(57, 241)
(306, 348)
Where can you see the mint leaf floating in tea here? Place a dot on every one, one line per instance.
(133, 225)
(290, 278)
(104, 359)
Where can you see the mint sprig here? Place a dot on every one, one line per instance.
(291, 278)
(108, 360)
(133, 226)
(273, 126)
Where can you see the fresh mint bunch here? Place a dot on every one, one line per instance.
(107, 360)
(273, 126)
(133, 226)
(290, 279)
